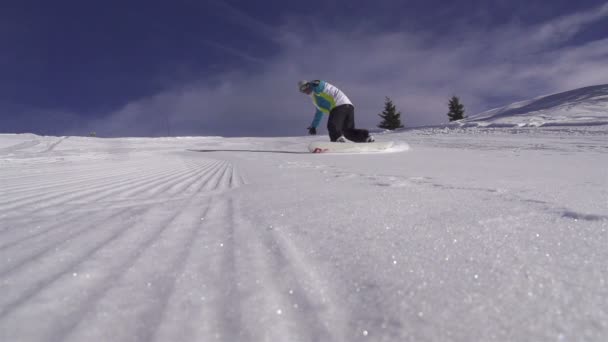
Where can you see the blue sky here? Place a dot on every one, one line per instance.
(226, 67)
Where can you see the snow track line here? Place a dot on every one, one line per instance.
(150, 305)
(53, 229)
(215, 182)
(243, 268)
(97, 186)
(95, 295)
(39, 285)
(182, 186)
(112, 190)
(61, 224)
(60, 240)
(110, 183)
(167, 182)
(50, 172)
(57, 168)
(315, 305)
(178, 266)
(131, 170)
(115, 235)
(193, 184)
(206, 184)
(211, 170)
(97, 259)
(90, 174)
(191, 312)
(65, 273)
(223, 181)
(192, 174)
(236, 179)
(111, 186)
(208, 177)
(20, 146)
(142, 183)
(52, 146)
(78, 181)
(274, 306)
(229, 319)
(303, 309)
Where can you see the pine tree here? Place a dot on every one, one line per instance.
(456, 109)
(391, 118)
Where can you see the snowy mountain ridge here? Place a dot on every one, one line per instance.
(587, 106)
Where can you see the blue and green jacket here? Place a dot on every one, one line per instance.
(326, 97)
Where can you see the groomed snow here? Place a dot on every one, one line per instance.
(586, 106)
(470, 235)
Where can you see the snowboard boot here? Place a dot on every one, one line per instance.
(341, 139)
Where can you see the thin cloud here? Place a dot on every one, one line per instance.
(234, 52)
(245, 20)
(566, 27)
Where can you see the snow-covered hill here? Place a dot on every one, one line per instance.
(471, 235)
(580, 107)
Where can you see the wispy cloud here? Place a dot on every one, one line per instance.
(245, 20)
(232, 51)
(418, 70)
(566, 27)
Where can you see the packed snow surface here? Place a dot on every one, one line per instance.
(586, 106)
(468, 235)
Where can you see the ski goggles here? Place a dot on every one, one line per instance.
(305, 87)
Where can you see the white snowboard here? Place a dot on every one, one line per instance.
(348, 147)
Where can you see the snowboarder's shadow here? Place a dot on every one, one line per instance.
(253, 151)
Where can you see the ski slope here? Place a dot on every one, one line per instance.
(587, 106)
(470, 235)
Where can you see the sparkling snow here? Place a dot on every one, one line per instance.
(470, 235)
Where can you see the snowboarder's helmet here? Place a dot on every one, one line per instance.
(303, 86)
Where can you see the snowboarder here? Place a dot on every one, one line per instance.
(330, 100)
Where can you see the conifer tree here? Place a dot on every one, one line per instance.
(456, 109)
(391, 118)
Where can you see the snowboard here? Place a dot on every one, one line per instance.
(349, 147)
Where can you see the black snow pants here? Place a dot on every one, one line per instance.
(342, 122)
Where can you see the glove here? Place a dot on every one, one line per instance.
(312, 130)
